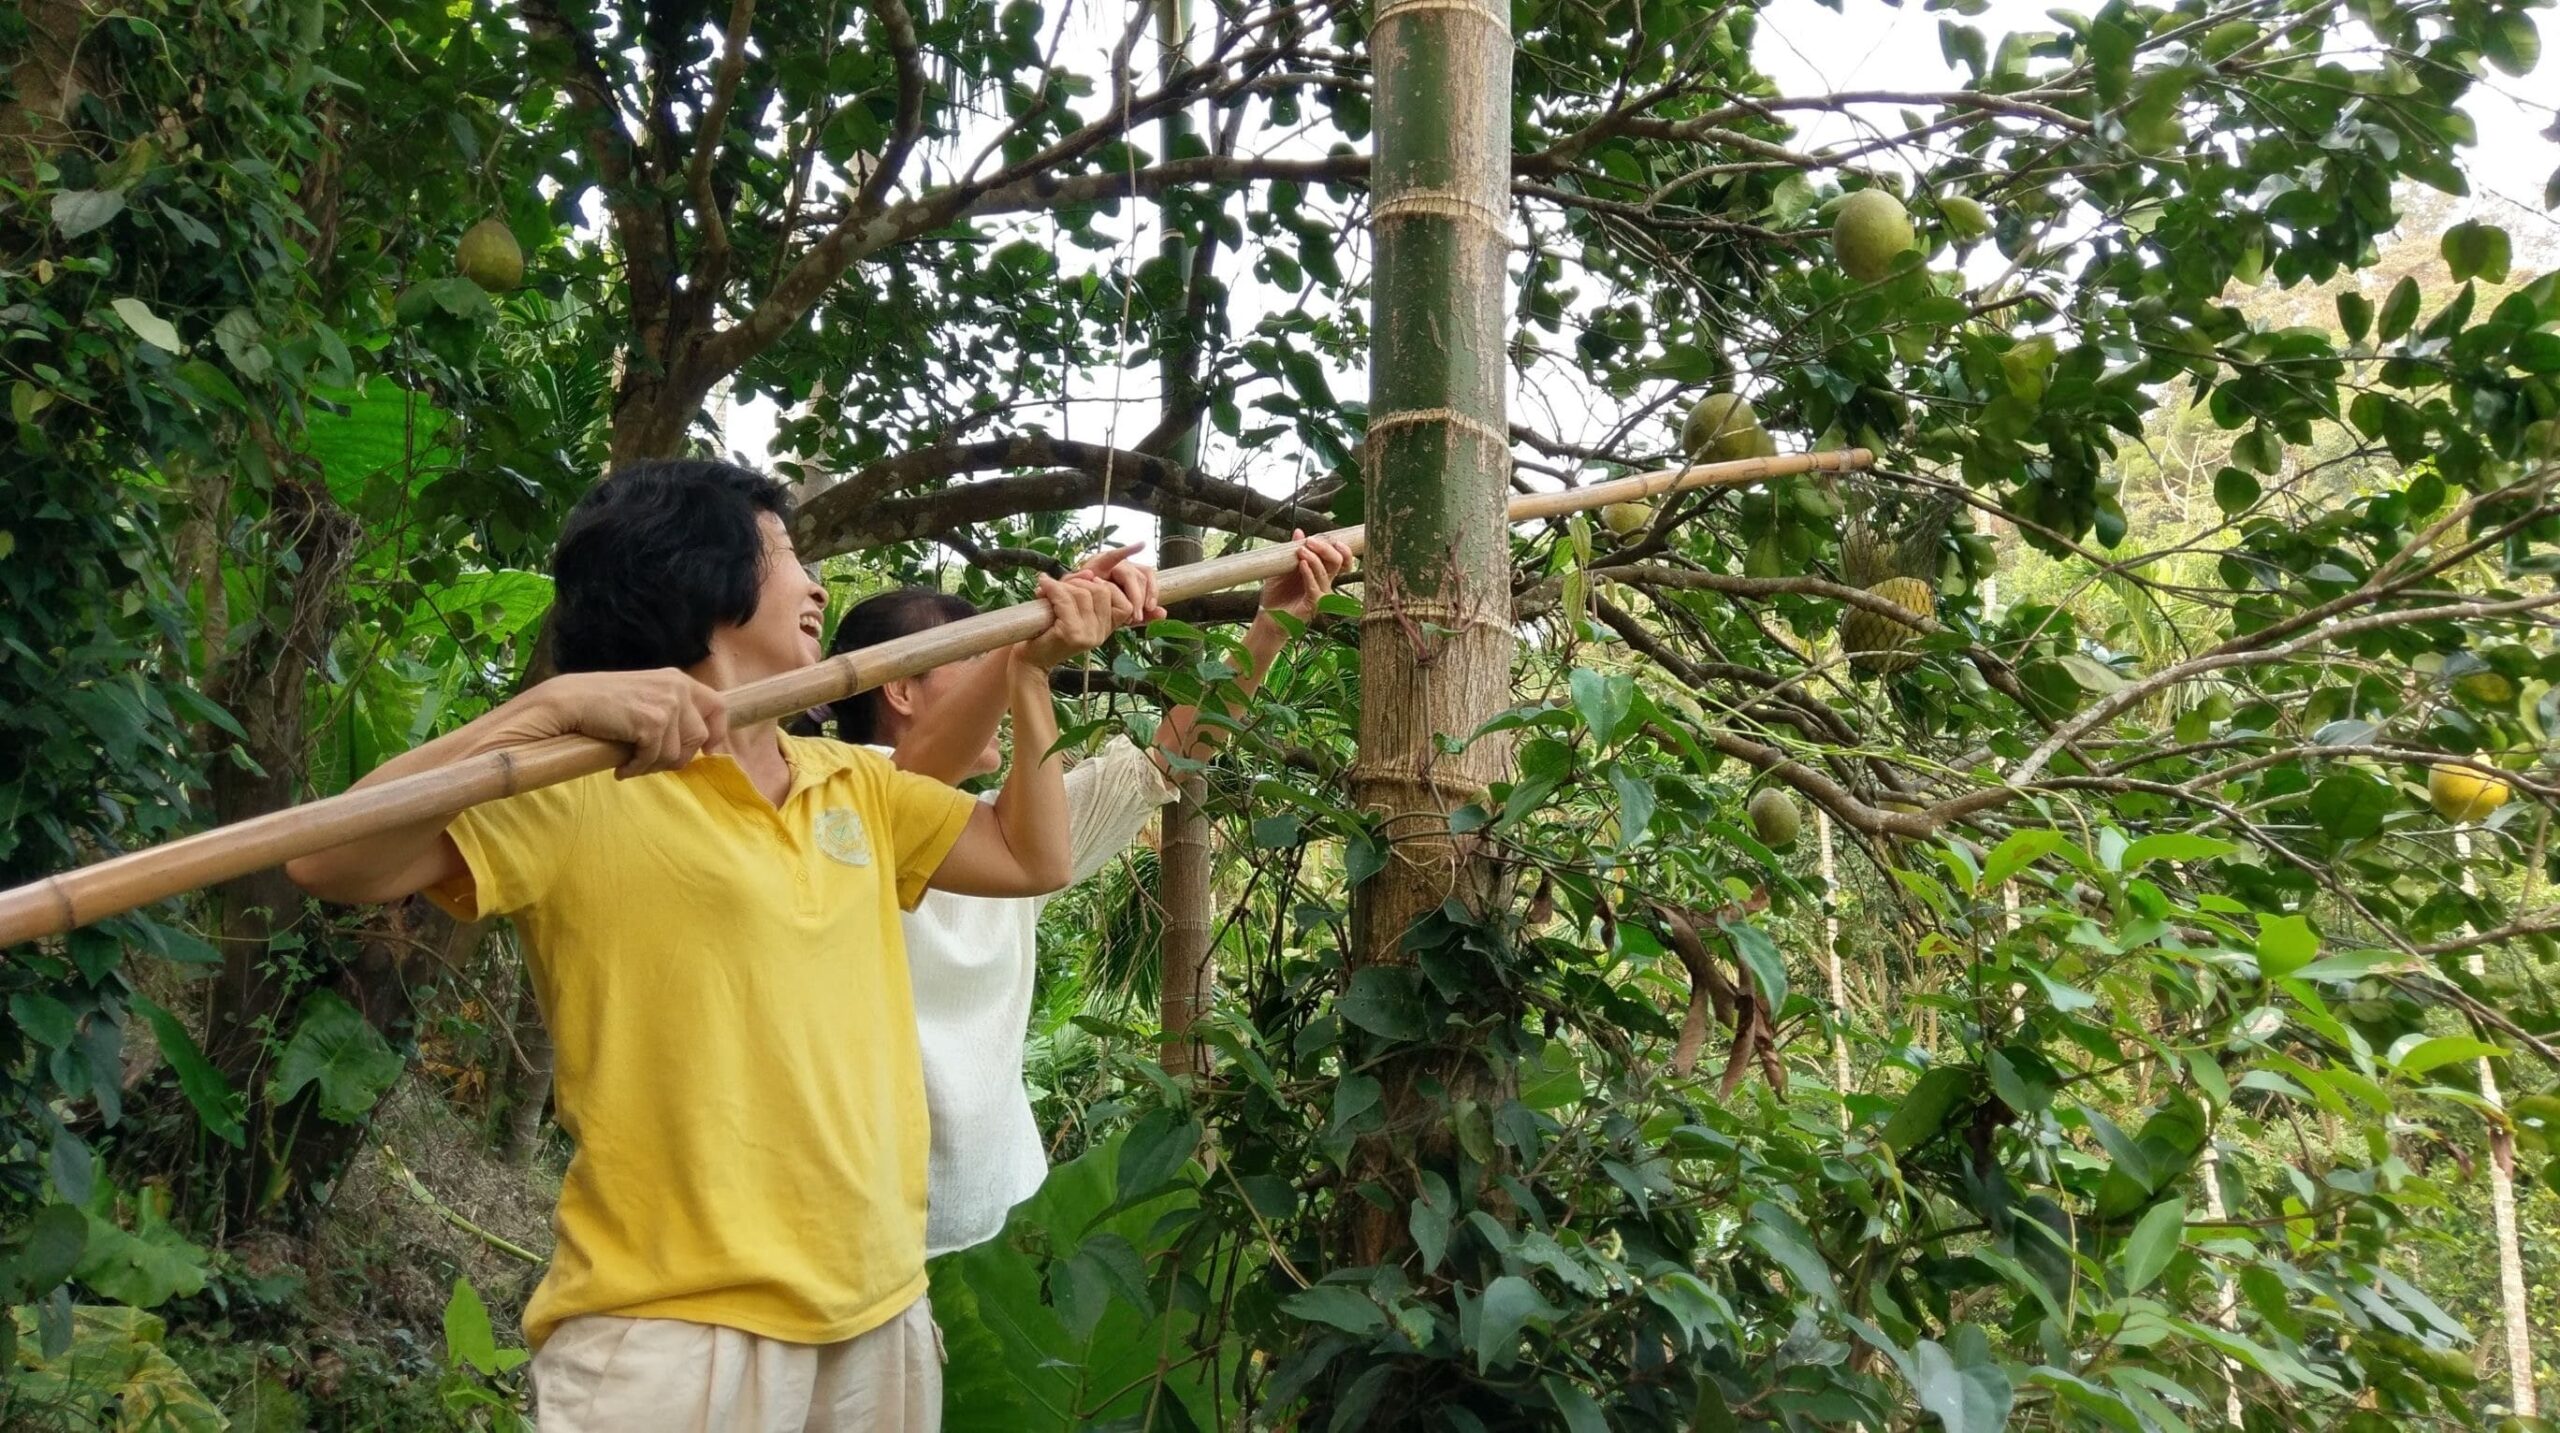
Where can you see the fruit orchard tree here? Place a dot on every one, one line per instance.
(2164, 1020)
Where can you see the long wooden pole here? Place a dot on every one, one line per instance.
(92, 893)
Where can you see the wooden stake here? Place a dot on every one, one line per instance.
(92, 893)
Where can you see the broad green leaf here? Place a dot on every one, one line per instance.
(1923, 1112)
(2153, 1243)
(2285, 945)
(77, 211)
(2429, 1054)
(2399, 309)
(150, 327)
(1777, 1233)
(1603, 701)
(1972, 1398)
(1347, 1309)
(1510, 1303)
(2473, 249)
(2017, 851)
(1158, 1146)
(1385, 1001)
(1574, 1406)
(468, 1338)
(334, 1051)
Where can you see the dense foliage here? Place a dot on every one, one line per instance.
(2109, 1054)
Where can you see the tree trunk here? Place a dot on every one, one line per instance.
(2502, 1212)
(259, 771)
(528, 1084)
(1190, 973)
(1436, 639)
(1831, 959)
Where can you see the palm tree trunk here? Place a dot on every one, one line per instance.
(2502, 1211)
(1436, 639)
(1190, 972)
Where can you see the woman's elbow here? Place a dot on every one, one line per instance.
(326, 877)
(1048, 872)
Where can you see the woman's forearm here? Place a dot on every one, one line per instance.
(1032, 806)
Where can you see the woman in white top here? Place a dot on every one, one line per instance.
(972, 960)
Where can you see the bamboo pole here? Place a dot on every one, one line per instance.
(92, 893)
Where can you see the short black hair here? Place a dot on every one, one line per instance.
(656, 557)
(885, 617)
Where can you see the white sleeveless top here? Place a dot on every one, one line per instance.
(972, 961)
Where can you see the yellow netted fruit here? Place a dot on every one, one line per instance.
(1870, 228)
(1878, 644)
(2461, 795)
(489, 256)
(1721, 427)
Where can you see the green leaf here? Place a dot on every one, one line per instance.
(2399, 309)
(2153, 1243)
(2476, 250)
(1159, 1144)
(2176, 846)
(77, 211)
(468, 1338)
(48, 1251)
(1777, 1233)
(144, 1267)
(1967, 1398)
(2235, 491)
(1347, 1309)
(1923, 1112)
(335, 1051)
(2017, 851)
(1428, 1221)
(1580, 1414)
(2355, 315)
(150, 327)
(2351, 805)
(1510, 1303)
(1384, 1001)
(2285, 945)
(216, 1103)
(2513, 44)
(1768, 969)
(2429, 1054)
(1635, 804)
(1603, 701)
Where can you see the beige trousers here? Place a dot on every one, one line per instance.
(608, 1375)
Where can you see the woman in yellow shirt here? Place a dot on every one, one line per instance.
(713, 935)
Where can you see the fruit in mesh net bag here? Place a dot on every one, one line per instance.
(489, 256)
(1870, 228)
(2461, 795)
(1774, 817)
(1721, 427)
(1878, 644)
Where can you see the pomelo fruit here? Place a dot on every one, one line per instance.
(1627, 519)
(1966, 218)
(2462, 796)
(1879, 644)
(1872, 227)
(1774, 817)
(1720, 428)
(489, 256)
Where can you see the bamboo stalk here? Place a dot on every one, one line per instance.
(64, 902)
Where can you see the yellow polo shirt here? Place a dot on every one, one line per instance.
(726, 988)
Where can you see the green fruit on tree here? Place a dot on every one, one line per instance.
(2462, 795)
(488, 256)
(1720, 428)
(1966, 218)
(1627, 519)
(1871, 229)
(1878, 644)
(2224, 39)
(1774, 817)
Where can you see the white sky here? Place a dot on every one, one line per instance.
(1806, 49)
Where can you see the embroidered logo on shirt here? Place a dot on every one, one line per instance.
(841, 837)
